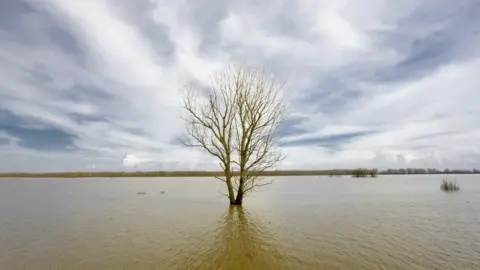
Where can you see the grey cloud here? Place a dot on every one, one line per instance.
(65, 40)
(38, 75)
(331, 95)
(206, 16)
(434, 135)
(329, 141)
(83, 92)
(24, 23)
(137, 131)
(10, 13)
(140, 14)
(82, 118)
(437, 33)
(39, 137)
(50, 139)
(4, 141)
(290, 126)
(177, 140)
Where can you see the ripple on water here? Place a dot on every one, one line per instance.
(303, 223)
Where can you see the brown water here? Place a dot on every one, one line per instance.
(392, 222)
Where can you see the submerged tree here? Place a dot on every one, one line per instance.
(236, 121)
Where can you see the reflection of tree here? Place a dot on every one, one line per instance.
(239, 243)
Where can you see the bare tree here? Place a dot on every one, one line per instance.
(236, 122)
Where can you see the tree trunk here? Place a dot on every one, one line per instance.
(231, 194)
(239, 198)
(228, 180)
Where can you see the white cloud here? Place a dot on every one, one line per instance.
(131, 160)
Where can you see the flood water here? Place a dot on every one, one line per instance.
(392, 222)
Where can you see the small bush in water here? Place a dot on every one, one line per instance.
(449, 185)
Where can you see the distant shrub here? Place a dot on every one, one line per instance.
(360, 173)
(364, 173)
(449, 185)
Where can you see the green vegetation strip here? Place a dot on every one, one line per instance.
(353, 172)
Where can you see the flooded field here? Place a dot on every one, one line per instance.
(391, 222)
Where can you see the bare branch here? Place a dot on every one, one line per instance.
(236, 122)
(221, 193)
(219, 178)
(255, 184)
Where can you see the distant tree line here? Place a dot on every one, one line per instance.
(427, 171)
(360, 172)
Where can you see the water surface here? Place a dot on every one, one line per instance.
(392, 222)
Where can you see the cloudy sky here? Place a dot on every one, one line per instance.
(95, 84)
